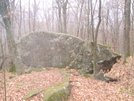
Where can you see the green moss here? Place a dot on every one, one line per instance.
(21, 84)
(38, 70)
(132, 94)
(66, 75)
(128, 90)
(117, 54)
(127, 56)
(58, 92)
(12, 69)
(83, 74)
(58, 34)
(108, 46)
(36, 80)
(121, 90)
(34, 69)
(110, 79)
(87, 46)
(60, 67)
(58, 96)
(1, 84)
(33, 93)
(104, 45)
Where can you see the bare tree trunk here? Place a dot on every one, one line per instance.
(133, 29)
(29, 17)
(104, 38)
(62, 12)
(116, 30)
(95, 41)
(34, 15)
(4, 77)
(5, 13)
(107, 24)
(53, 16)
(64, 7)
(80, 19)
(59, 16)
(88, 21)
(126, 30)
(24, 22)
(1, 46)
(20, 20)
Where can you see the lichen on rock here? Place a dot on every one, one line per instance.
(47, 49)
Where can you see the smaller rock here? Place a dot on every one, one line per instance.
(58, 92)
(105, 66)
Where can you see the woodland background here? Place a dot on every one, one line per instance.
(110, 22)
(75, 17)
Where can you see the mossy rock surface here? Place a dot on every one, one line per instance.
(62, 50)
(58, 92)
(29, 70)
(83, 74)
(33, 93)
(12, 69)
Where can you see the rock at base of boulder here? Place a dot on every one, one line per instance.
(33, 93)
(100, 76)
(104, 67)
(58, 92)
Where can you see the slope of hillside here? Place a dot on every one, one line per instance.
(82, 89)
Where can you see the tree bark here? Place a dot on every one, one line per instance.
(60, 29)
(126, 30)
(133, 29)
(95, 41)
(5, 13)
(29, 15)
(64, 7)
(88, 21)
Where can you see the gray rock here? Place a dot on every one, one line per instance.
(46, 49)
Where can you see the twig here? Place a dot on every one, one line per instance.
(3, 62)
(5, 85)
(4, 76)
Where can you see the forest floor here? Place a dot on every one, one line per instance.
(82, 89)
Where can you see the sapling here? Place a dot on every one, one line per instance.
(1, 67)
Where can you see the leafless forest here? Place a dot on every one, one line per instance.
(75, 17)
(109, 22)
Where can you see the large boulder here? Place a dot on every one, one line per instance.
(46, 49)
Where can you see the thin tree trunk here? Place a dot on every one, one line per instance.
(126, 30)
(20, 21)
(88, 20)
(59, 16)
(80, 19)
(5, 11)
(34, 15)
(95, 41)
(65, 16)
(133, 29)
(29, 17)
